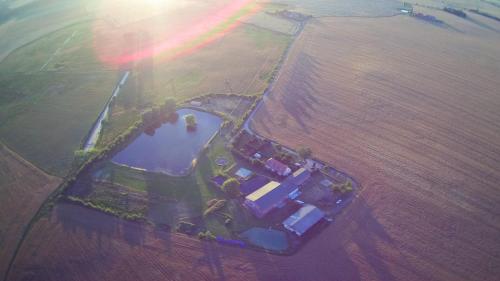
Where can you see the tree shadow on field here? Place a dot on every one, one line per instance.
(372, 231)
(336, 252)
(299, 89)
(212, 258)
(75, 219)
(482, 24)
(97, 226)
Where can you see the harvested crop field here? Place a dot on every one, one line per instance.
(23, 188)
(410, 109)
(78, 243)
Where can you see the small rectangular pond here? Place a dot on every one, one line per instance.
(172, 148)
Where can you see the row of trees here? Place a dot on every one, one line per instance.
(160, 113)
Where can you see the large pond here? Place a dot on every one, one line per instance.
(171, 148)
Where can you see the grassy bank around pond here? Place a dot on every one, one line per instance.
(168, 199)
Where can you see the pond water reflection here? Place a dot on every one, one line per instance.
(172, 148)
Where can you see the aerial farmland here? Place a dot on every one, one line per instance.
(249, 140)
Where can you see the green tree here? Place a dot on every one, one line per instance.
(304, 152)
(168, 106)
(190, 121)
(232, 187)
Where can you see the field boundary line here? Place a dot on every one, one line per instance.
(25, 160)
(58, 50)
(29, 225)
(279, 69)
(41, 36)
(266, 28)
(361, 17)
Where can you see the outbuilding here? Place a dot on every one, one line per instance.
(304, 219)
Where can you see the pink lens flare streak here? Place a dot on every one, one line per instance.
(212, 27)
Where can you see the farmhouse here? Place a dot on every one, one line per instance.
(302, 220)
(277, 167)
(270, 196)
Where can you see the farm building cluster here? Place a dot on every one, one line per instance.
(274, 179)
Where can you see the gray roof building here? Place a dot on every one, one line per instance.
(302, 220)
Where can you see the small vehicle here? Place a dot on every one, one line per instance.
(338, 201)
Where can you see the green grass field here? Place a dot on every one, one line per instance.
(46, 116)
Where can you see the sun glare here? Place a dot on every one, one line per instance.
(152, 29)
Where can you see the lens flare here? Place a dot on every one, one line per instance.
(193, 35)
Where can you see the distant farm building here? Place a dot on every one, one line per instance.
(304, 219)
(195, 103)
(270, 196)
(277, 167)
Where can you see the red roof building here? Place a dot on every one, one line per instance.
(278, 167)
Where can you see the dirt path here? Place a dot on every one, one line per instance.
(246, 125)
(58, 50)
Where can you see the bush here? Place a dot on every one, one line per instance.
(343, 188)
(207, 235)
(231, 187)
(81, 156)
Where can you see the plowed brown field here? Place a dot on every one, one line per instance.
(412, 110)
(409, 109)
(23, 188)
